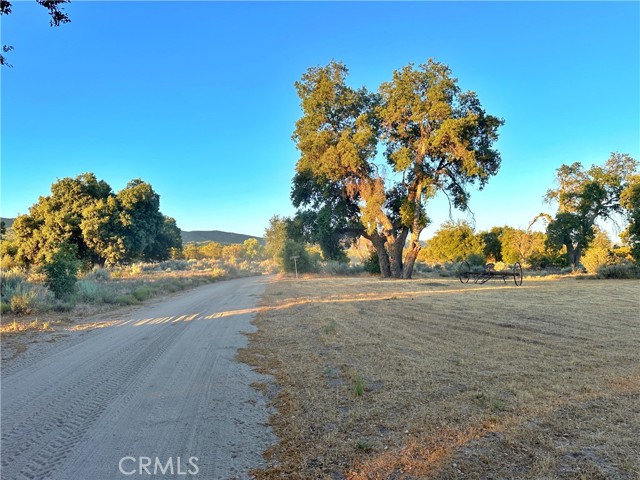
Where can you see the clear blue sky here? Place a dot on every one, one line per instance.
(198, 98)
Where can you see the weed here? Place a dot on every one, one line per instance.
(497, 404)
(358, 385)
(363, 446)
(330, 327)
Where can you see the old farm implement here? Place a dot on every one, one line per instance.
(467, 273)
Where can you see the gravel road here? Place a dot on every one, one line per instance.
(156, 394)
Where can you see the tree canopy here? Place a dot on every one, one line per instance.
(103, 227)
(585, 196)
(436, 137)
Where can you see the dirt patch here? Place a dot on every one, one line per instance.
(419, 379)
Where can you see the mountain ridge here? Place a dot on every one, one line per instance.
(197, 236)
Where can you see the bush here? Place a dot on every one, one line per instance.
(303, 263)
(61, 270)
(476, 260)
(333, 267)
(98, 274)
(372, 265)
(88, 291)
(142, 293)
(619, 270)
(31, 299)
(4, 308)
(9, 282)
(595, 258)
(126, 300)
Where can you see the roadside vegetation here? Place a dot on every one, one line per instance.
(433, 379)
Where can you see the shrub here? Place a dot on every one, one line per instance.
(303, 263)
(31, 299)
(596, 257)
(372, 265)
(61, 270)
(98, 274)
(4, 308)
(126, 300)
(475, 260)
(333, 267)
(142, 293)
(9, 282)
(619, 270)
(88, 291)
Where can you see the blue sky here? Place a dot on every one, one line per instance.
(198, 98)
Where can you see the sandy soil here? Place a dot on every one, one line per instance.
(159, 381)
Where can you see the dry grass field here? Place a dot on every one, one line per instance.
(430, 378)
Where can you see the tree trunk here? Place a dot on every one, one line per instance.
(412, 254)
(395, 246)
(573, 255)
(383, 256)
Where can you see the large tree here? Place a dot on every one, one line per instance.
(102, 226)
(453, 242)
(630, 201)
(436, 138)
(583, 197)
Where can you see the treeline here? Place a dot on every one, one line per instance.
(583, 198)
(457, 241)
(249, 250)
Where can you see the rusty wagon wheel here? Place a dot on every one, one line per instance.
(517, 274)
(465, 272)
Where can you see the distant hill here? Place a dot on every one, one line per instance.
(216, 236)
(195, 236)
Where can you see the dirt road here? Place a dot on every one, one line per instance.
(156, 391)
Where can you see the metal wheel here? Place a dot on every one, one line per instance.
(517, 274)
(464, 273)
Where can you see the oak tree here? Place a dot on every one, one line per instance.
(436, 138)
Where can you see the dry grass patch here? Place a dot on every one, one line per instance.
(433, 379)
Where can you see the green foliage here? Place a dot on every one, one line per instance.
(492, 244)
(105, 228)
(61, 270)
(453, 242)
(436, 137)
(276, 235)
(598, 254)
(476, 260)
(304, 261)
(251, 249)
(358, 384)
(372, 265)
(630, 202)
(142, 293)
(519, 245)
(584, 196)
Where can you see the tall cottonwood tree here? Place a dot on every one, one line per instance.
(436, 138)
(583, 197)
